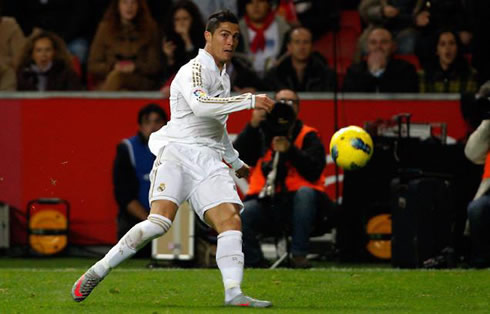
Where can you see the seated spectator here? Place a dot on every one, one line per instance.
(477, 150)
(380, 73)
(397, 16)
(7, 78)
(124, 54)
(68, 19)
(183, 36)
(45, 65)
(302, 70)
(131, 171)
(431, 16)
(448, 71)
(208, 7)
(12, 40)
(289, 193)
(243, 78)
(262, 34)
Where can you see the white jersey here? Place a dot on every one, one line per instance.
(199, 106)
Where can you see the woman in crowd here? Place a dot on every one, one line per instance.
(448, 71)
(183, 36)
(45, 65)
(124, 54)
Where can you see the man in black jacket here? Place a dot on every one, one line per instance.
(380, 73)
(302, 70)
(289, 193)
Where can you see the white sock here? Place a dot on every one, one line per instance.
(136, 238)
(229, 257)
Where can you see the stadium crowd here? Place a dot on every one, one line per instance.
(138, 45)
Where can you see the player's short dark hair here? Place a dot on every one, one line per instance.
(150, 108)
(218, 17)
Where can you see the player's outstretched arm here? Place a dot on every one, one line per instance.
(262, 101)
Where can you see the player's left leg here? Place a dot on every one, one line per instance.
(225, 219)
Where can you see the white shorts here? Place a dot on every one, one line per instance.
(197, 174)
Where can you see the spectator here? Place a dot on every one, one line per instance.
(302, 70)
(131, 171)
(124, 54)
(434, 15)
(208, 7)
(45, 65)
(11, 40)
(68, 19)
(319, 16)
(381, 73)
(448, 71)
(7, 78)
(182, 36)
(397, 16)
(477, 150)
(262, 34)
(299, 181)
(243, 78)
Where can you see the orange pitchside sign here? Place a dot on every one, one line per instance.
(63, 146)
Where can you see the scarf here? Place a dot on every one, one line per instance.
(259, 40)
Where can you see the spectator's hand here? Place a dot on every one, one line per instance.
(262, 101)
(280, 144)
(168, 48)
(125, 66)
(465, 37)
(243, 172)
(422, 19)
(390, 11)
(258, 115)
(376, 60)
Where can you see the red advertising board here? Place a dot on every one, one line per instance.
(64, 147)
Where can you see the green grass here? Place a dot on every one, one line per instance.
(43, 286)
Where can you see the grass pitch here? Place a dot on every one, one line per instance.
(44, 285)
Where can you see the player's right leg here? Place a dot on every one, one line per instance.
(158, 222)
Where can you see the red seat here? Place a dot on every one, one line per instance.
(350, 19)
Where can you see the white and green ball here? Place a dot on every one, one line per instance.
(351, 147)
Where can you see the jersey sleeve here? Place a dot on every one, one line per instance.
(231, 154)
(204, 105)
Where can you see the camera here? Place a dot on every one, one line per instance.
(280, 120)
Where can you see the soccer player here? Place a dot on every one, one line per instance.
(189, 166)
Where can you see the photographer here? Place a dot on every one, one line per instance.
(477, 150)
(286, 185)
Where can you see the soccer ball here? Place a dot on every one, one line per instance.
(351, 147)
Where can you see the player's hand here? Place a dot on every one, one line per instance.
(258, 115)
(280, 144)
(243, 172)
(262, 101)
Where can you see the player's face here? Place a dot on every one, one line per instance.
(43, 52)
(223, 42)
(128, 9)
(151, 123)
(447, 49)
(380, 40)
(300, 45)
